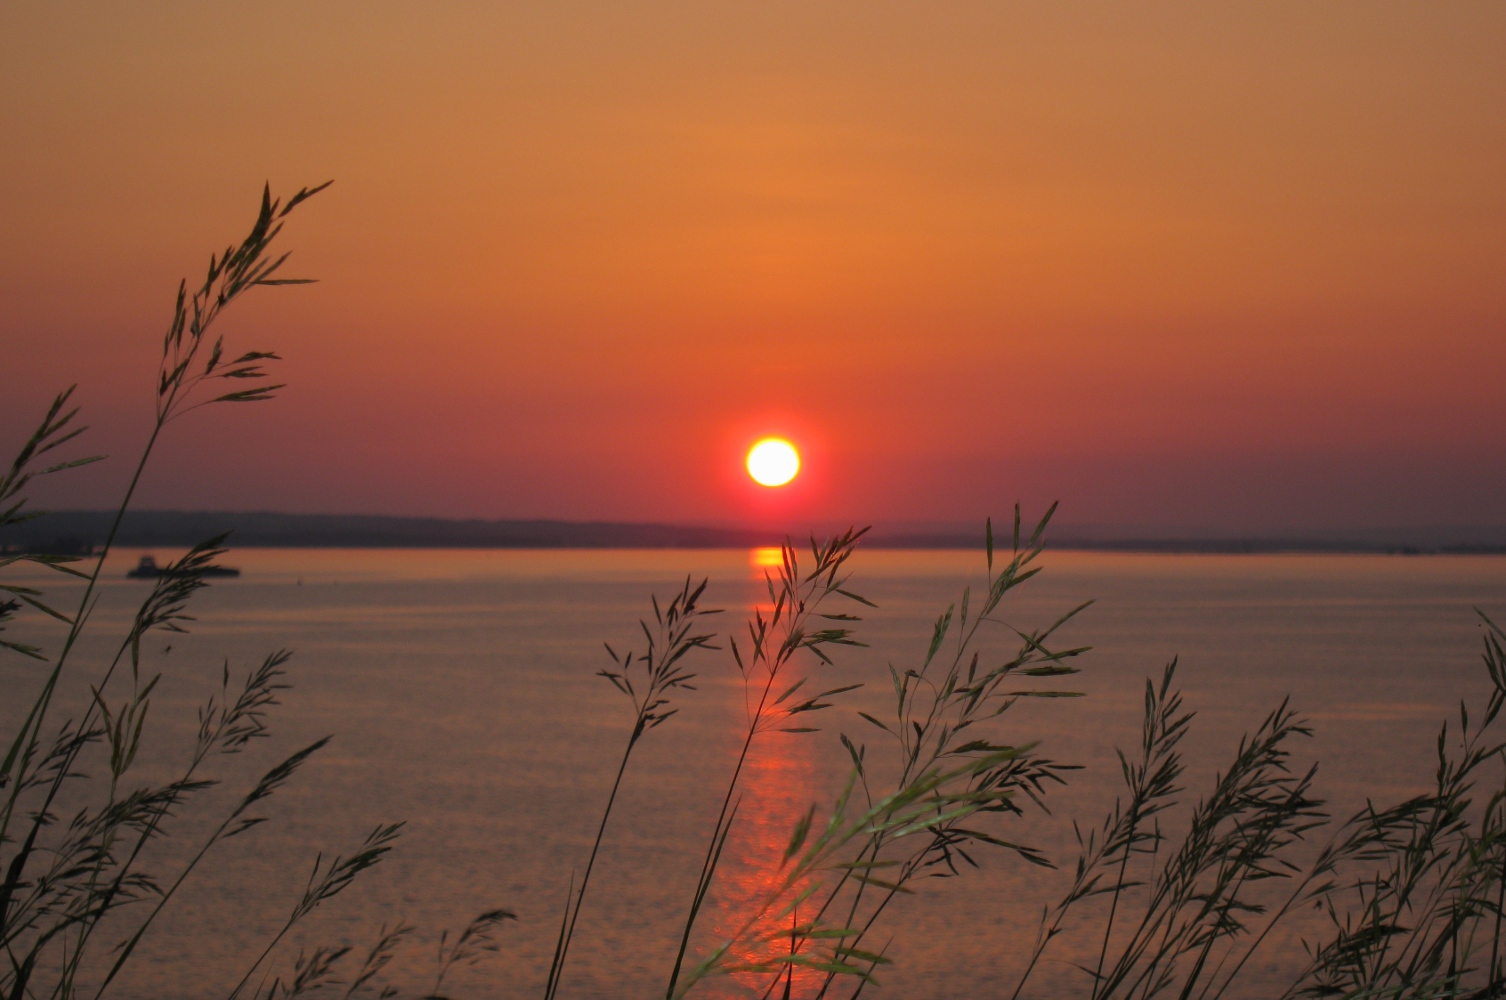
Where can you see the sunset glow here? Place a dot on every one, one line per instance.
(1212, 269)
(773, 462)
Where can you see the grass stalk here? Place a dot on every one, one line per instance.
(659, 672)
(65, 901)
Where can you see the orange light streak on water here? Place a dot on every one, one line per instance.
(777, 787)
(765, 557)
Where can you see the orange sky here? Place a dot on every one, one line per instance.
(1214, 267)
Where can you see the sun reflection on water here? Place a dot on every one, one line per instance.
(766, 556)
(777, 787)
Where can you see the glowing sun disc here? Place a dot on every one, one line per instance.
(773, 462)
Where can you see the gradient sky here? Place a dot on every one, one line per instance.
(1214, 267)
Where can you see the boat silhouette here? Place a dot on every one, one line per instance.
(147, 569)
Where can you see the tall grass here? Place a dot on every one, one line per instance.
(70, 882)
(659, 672)
(1412, 892)
(951, 772)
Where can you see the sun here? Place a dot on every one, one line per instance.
(773, 462)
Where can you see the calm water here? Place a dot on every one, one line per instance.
(460, 688)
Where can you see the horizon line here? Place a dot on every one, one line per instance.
(274, 529)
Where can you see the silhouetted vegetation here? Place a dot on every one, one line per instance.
(61, 876)
(1171, 896)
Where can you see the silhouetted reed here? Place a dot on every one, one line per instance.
(61, 877)
(658, 672)
(1413, 892)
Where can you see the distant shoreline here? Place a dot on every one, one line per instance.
(79, 532)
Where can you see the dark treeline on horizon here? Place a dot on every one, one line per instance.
(80, 531)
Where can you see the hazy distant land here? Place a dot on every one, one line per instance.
(77, 530)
